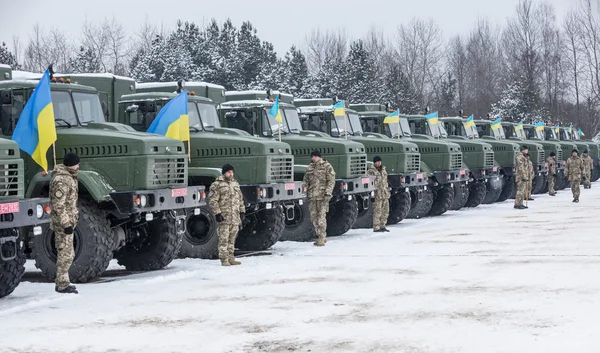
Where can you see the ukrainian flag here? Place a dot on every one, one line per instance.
(470, 122)
(35, 131)
(519, 126)
(275, 112)
(497, 124)
(580, 132)
(557, 128)
(173, 120)
(339, 109)
(539, 126)
(393, 118)
(432, 118)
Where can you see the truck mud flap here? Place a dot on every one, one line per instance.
(8, 248)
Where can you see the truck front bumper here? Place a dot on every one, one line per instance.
(346, 187)
(274, 192)
(398, 181)
(149, 201)
(453, 176)
(24, 213)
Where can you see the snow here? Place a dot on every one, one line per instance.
(489, 279)
(170, 84)
(3, 66)
(25, 75)
(273, 92)
(100, 75)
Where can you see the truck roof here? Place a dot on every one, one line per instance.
(5, 66)
(258, 95)
(255, 103)
(160, 95)
(320, 109)
(33, 84)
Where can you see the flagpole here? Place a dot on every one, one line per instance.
(54, 153)
(345, 128)
(280, 130)
(398, 129)
(189, 150)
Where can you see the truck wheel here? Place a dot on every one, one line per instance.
(538, 185)
(201, 240)
(300, 228)
(92, 240)
(154, 245)
(364, 219)
(420, 209)
(11, 271)
(341, 217)
(476, 194)
(507, 189)
(263, 230)
(461, 195)
(595, 174)
(493, 191)
(442, 200)
(399, 207)
(545, 185)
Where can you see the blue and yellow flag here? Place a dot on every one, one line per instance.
(35, 131)
(519, 126)
(497, 124)
(539, 126)
(570, 129)
(275, 112)
(580, 132)
(557, 128)
(173, 120)
(470, 122)
(393, 118)
(339, 109)
(432, 118)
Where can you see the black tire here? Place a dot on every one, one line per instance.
(538, 185)
(477, 193)
(341, 217)
(508, 189)
(493, 191)
(364, 219)
(92, 240)
(420, 209)
(595, 174)
(399, 207)
(201, 240)
(300, 228)
(443, 198)
(545, 187)
(461, 195)
(261, 230)
(11, 271)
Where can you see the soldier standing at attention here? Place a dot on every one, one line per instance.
(574, 168)
(63, 218)
(531, 176)
(382, 195)
(588, 164)
(522, 174)
(227, 203)
(551, 173)
(319, 180)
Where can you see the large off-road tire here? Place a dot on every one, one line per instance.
(341, 217)
(300, 228)
(11, 271)
(442, 200)
(595, 174)
(92, 241)
(538, 185)
(477, 194)
(545, 188)
(493, 191)
(261, 230)
(508, 189)
(420, 209)
(461, 195)
(154, 245)
(399, 207)
(364, 219)
(201, 240)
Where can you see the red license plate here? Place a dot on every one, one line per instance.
(12, 207)
(462, 172)
(290, 186)
(179, 192)
(419, 176)
(545, 164)
(495, 169)
(366, 180)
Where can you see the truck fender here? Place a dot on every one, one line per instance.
(92, 182)
(204, 172)
(425, 169)
(300, 169)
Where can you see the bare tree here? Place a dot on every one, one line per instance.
(457, 62)
(45, 49)
(573, 49)
(551, 60)
(330, 45)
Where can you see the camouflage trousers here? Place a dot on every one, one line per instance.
(318, 215)
(227, 234)
(521, 189)
(587, 182)
(575, 188)
(64, 259)
(381, 211)
(551, 181)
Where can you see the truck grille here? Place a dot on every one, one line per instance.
(168, 171)
(541, 157)
(9, 180)
(559, 156)
(413, 163)
(358, 165)
(455, 161)
(282, 169)
(488, 161)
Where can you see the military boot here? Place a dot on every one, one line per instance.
(225, 262)
(233, 262)
(67, 290)
(384, 229)
(520, 207)
(576, 200)
(320, 242)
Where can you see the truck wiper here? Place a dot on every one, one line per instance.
(194, 129)
(63, 121)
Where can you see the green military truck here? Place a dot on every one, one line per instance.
(248, 111)
(401, 158)
(539, 136)
(132, 186)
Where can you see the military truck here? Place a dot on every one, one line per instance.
(248, 111)
(401, 158)
(539, 136)
(479, 157)
(132, 186)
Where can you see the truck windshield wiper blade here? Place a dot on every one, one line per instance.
(63, 121)
(193, 128)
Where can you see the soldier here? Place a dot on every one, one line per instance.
(551, 173)
(319, 180)
(573, 169)
(530, 177)
(63, 218)
(382, 195)
(522, 177)
(227, 203)
(588, 164)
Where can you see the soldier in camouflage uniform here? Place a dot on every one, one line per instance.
(551, 173)
(588, 164)
(381, 209)
(530, 177)
(522, 174)
(574, 169)
(227, 203)
(63, 218)
(319, 180)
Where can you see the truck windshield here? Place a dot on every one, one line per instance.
(575, 135)
(271, 126)
(293, 120)
(193, 116)
(340, 127)
(63, 108)
(88, 107)
(565, 135)
(404, 127)
(442, 129)
(509, 130)
(434, 129)
(208, 116)
(355, 123)
(550, 134)
(539, 134)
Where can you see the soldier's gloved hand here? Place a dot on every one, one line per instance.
(523, 180)
(242, 217)
(219, 218)
(69, 230)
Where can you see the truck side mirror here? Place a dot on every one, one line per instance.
(105, 111)
(6, 120)
(131, 109)
(5, 97)
(230, 114)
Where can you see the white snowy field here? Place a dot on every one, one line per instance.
(490, 279)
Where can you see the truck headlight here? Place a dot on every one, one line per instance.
(39, 211)
(143, 200)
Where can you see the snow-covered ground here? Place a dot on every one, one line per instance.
(491, 279)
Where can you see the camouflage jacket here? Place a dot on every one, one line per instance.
(530, 169)
(319, 180)
(522, 165)
(574, 168)
(64, 189)
(551, 166)
(381, 181)
(588, 164)
(225, 197)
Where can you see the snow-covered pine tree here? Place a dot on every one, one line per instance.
(518, 103)
(446, 100)
(7, 58)
(208, 59)
(231, 64)
(295, 79)
(398, 91)
(272, 70)
(180, 49)
(86, 61)
(249, 54)
(150, 65)
(359, 80)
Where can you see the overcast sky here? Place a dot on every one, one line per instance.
(281, 22)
